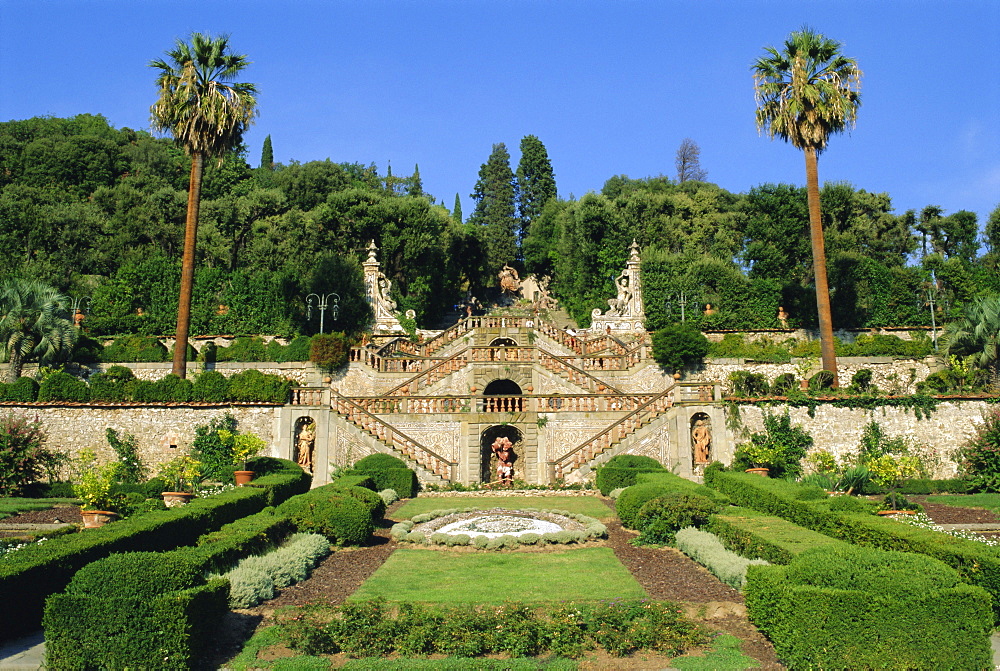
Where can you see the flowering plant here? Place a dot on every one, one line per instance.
(244, 446)
(184, 471)
(94, 481)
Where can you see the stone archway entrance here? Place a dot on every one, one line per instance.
(488, 460)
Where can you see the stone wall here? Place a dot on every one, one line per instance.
(838, 430)
(162, 432)
(302, 372)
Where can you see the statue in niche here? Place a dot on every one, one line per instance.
(782, 317)
(304, 446)
(701, 439)
(510, 281)
(504, 451)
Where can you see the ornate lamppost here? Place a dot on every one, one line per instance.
(322, 303)
(682, 298)
(79, 306)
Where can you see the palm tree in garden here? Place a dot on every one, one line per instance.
(977, 334)
(804, 94)
(207, 113)
(35, 322)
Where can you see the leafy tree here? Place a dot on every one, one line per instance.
(777, 219)
(688, 162)
(679, 346)
(494, 214)
(206, 112)
(35, 323)
(977, 334)
(805, 93)
(536, 183)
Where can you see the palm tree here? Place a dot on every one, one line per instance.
(977, 334)
(207, 113)
(804, 94)
(35, 322)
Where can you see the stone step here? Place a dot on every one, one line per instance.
(973, 526)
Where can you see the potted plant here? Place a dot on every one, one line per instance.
(183, 472)
(762, 456)
(93, 487)
(245, 446)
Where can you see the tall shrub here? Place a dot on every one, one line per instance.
(329, 350)
(23, 455)
(979, 457)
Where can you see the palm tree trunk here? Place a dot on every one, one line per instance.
(16, 364)
(187, 265)
(819, 267)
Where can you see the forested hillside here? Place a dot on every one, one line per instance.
(97, 211)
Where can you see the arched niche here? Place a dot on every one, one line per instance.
(702, 450)
(503, 342)
(488, 461)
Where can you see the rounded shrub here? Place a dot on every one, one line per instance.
(371, 500)
(63, 387)
(633, 498)
(784, 384)
(22, 389)
(341, 518)
(850, 567)
(135, 348)
(861, 381)
(679, 345)
(661, 518)
(243, 349)
(253, 386)
(112, 384)
(210, 386)
(746, 384)
(377, 461)
(821, 381)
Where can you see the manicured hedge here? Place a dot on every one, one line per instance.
(754, 534)
(220, 550)
(356, 481)
(31, 574)
(978, 564)
(330, 511)
(23, 389)
(653, 485)
(388, 472)
(854, 608)
(280, 478)
(621, 471)
(63, 387)
(171, 629)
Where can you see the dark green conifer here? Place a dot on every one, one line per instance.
(536, 182)
(495, 210)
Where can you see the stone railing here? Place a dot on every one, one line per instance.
(309, 396)
(544, 403)
(614, 434)
(394, 438)
(577, 376)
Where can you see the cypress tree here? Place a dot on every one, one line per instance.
(456, 213)
(536, 182)
(495, 208)
(416, 185)
(267, 155)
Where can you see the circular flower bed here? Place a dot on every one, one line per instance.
(498, 528)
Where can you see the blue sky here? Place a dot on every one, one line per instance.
(609, 87)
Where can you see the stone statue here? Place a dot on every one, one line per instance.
(510, 281)
(304, 446)
(782, 317)
(619, 306)
(625, 311)
(709, 310)
(504, 451)
(701, 436)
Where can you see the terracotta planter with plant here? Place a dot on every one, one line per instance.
(245, 446)
(183, 472)
(93, 487)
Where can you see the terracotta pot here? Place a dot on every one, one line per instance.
(243, 477)
(804, 385)
(97, 518)
(758, 471)
(173, 499)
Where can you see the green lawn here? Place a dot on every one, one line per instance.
(990, 501)
(590, 506)
(494, 577)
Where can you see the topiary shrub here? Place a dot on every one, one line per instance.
(112, 384)
(388, 472)
(136, 575)
(170, 387)
(746, 384)
(210, 386)
(661, 518)
(243, 349)
(784, 384)
(329, 350)
(253, 386)
(622, 471)
(679, 346)
(341, 518)
(297, 350)
(821, 381)
(63, 387)
(135, 348)
(23, 389)
(370, 499)
(633, 498)
(861, 381)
